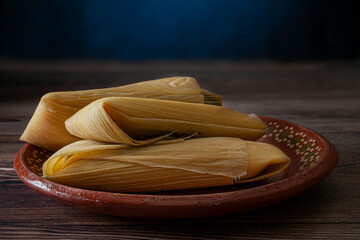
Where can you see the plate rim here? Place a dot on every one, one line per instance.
(248, 199)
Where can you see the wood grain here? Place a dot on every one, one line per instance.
(321, 96)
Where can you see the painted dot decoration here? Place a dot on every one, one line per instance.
(36, 159)
(303, 145)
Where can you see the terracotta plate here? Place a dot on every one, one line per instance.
(313, 157)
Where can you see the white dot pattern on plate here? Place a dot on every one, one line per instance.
(302, 145)
(35, 161)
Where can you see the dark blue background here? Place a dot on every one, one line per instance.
(179, 29)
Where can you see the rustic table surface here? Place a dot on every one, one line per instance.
(322, 96)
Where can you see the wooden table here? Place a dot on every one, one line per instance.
(321, 96)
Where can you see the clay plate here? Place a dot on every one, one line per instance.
(313, 157)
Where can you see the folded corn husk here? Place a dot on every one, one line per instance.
(137, 121)
(46, 128)
(194, 163)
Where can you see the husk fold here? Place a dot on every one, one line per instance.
(137, 121)
(194, 163)
(46, 128)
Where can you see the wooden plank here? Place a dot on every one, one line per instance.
(187, 231)
(234, 78)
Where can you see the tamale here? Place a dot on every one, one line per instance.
(194, 163)
(46, 128)
(137, 121)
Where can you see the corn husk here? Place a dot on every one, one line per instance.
(46, 128)
(194, 163)
(137, 121)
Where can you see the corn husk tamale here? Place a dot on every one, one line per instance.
(137, 121)
(194, 163)
(46, 128)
